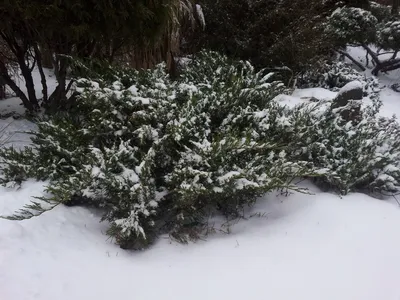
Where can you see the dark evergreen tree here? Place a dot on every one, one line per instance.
(270, 33)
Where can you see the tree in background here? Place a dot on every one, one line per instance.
(2, 90)
(270, 33)
(86, 29)
(2, 83)
(395, 7)
(360, 27)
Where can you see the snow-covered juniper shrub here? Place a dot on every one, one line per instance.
(158, 155)
(357, 155)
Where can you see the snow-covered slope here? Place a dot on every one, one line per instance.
(303, 247)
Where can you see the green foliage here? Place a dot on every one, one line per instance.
(381, 12)
(335, 75)
(142, 33)
(158, 156)
(269, 33)
(83, 23)
(351, 25)
(389, 35)
(356, 155)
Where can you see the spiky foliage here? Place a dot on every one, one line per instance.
(157, 155)
(357, 155)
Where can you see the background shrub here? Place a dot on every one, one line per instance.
(269, 33)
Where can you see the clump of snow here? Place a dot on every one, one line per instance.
(287, 100)
(352, 85)
(133, 89)
(301, 96)
(318, 93)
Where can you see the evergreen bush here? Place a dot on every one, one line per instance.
(335, 75)
(269, 33)
(389, 35)
(358, 155)
(352, 25)
(158, 156)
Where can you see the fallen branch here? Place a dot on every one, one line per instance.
(383, 53)
(386, 66)
(391, 68)
(358, 64)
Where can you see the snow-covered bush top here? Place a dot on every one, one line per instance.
(335, 75)
(349, 25)
(380, 11)
(389, 35)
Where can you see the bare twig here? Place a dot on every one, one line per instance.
(367, 60)
(396, 200)
(374, 56)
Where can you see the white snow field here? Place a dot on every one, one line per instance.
(301, 247)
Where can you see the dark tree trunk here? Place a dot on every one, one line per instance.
(39, 61)
(391, 67)
(360, 66)
(395, 7)
(385, 66)
(21, 52)
(30, 85)
(2, 89)
(5, 78)
(47, 57)
(58, 98)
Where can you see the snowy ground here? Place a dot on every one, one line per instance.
(299, 247)
(305, 247)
